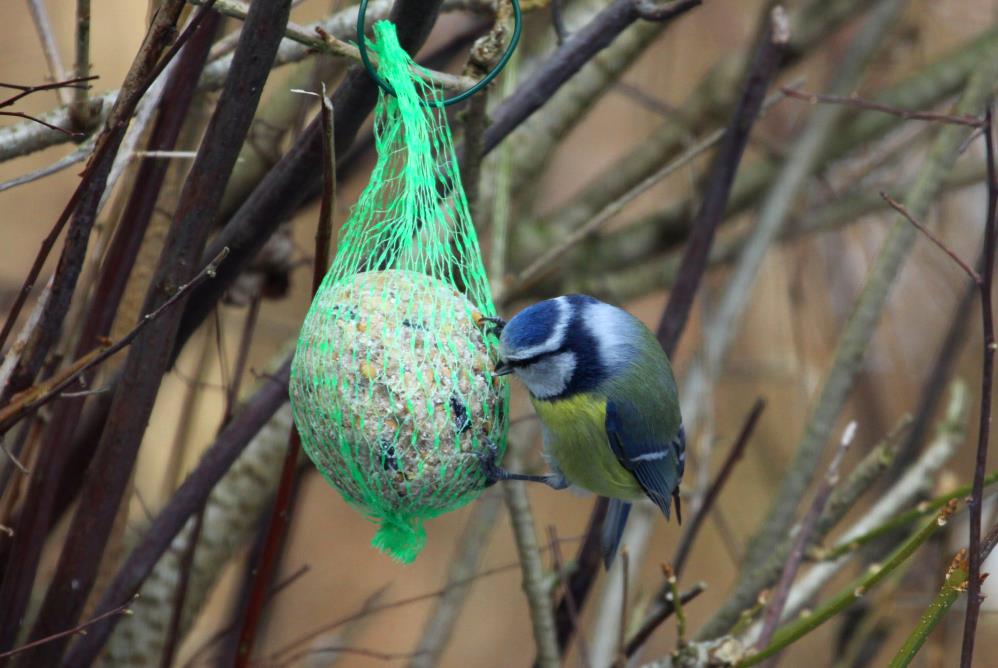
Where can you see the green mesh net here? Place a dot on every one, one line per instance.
(391, 385)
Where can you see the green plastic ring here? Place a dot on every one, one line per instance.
(362, 45)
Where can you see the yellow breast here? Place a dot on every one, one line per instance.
(575, 439)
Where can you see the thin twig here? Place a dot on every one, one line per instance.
(987, 377)
(471, 545)
(581, 46)
(46, 391)
(870, 105)
(760, 73)
(180, 594)
(78, 155)
(573, 610)
(323, 42)
(325, 628)
(546, 262)
(280, 514)
(80, 111)
(625, 568)
(40, 17)
(35, 119)
(778, 600)
(914, 481)
(324, 231)
(149, 359)
(541, 614)
(641, 636)
(24, 91)
(672, 582)
(857, 332)
(900, 208)
(873, 576)
(79, 628)
(734, 456)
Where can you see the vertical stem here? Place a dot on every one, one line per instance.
(324, 230)
(677, 604)
(50, 47)
(984, 429)
(471, 545)
(541, 613)
(502, 200)
(80, 110)
(280, 516)
(625, 576)
(28, 541)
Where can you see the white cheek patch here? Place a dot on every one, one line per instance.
(549, 376)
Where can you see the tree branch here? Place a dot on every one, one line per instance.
(872, 105)
(987, 378)
(27, 545)
(150, 357)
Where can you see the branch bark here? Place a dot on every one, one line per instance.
(150, 357)
(27, 546)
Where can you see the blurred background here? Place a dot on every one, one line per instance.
(672, 88)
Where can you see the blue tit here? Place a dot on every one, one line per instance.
(604, 391)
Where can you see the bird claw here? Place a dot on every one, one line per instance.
(496, 322)
(488, 459)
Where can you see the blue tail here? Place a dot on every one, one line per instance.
(613, 528)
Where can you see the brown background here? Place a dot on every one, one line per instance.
(782, 349)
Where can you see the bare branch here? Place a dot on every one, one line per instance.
(871, 105)
(662, 613)
(541, 614)
(987, 378)
(322, 41)
(35, 119)
(774, 610)
(79, 628)
(40, 17)
(900, 208)
(44, 392)
(81, 111)
(734, 456)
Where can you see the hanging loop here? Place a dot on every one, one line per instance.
(362, 45)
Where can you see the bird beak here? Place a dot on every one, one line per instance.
(503, 369)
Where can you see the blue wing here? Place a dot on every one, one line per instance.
(658, 466)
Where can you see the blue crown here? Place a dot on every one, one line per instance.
(532, 326)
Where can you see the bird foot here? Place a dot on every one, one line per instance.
(495, 473)
(497, 323)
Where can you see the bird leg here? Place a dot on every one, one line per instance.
(494, 472)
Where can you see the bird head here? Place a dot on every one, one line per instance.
(550, 347)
